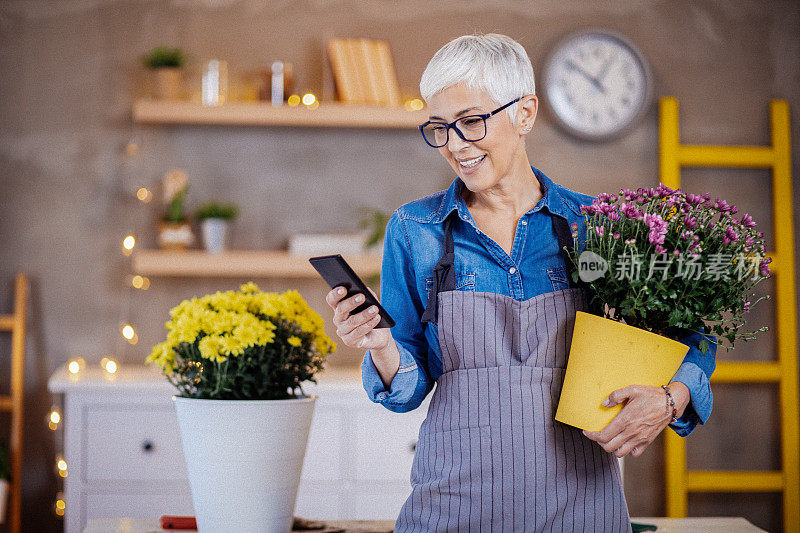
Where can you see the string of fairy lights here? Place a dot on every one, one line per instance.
(77, 367)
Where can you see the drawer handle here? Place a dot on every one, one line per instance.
(147, 446)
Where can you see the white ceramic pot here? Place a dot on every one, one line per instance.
(3, 500)
(215, 231)
(244, 459)
(174, 236)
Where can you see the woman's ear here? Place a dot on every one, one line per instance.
(526, 113)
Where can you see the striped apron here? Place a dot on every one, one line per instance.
(490, 456)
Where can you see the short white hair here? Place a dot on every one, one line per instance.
(493, 63)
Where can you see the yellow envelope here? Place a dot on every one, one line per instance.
(607, 355)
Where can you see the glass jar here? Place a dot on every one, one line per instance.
(215, 83)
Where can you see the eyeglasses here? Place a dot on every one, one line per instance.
(471, 128)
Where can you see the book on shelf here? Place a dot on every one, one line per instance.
(363, 71)
(343, 72)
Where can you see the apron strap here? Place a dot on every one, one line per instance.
(444, 276)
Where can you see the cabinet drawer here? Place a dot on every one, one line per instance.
(132, 444)
(386, 442)
(115, 504)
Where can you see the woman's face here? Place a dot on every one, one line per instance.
(497, 155)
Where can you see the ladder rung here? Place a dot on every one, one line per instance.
(726, 156)
(6, 403)
(746, 372)
(7, 322)
(734, 481)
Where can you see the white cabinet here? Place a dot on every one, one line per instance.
(359, 455)
(124, 456)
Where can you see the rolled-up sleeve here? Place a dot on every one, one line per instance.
(399, 297)
(695, 372)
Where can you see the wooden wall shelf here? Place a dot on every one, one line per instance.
(329, 114)
(240, 263)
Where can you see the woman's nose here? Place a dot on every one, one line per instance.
(454, 141)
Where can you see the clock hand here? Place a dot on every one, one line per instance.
(592, 80)
(604, 70)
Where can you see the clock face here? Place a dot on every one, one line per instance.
(597, 84)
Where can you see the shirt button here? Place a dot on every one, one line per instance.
(465, 217)
(382, 395)
(524, 222)
(512, 270)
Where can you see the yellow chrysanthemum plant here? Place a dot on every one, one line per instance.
(243, 345)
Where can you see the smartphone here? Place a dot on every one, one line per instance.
(335, 270)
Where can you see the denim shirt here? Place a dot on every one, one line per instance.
(414, 243)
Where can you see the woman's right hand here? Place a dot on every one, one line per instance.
(357, 331)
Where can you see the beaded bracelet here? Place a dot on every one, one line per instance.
(670, 405)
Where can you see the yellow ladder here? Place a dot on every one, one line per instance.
(783, 371)
(15, 401)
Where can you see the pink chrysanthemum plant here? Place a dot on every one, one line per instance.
(663, 260)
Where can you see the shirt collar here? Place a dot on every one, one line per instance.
(453, 201)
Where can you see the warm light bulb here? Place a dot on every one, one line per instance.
(53, 418)
(60, 504)
(128, 332)
(309, 99)
(293, 100)
(144, 195)
(128, 242)
(414, 104)
(109, 365)
(61, 465)
(76, 365)
(140, 282)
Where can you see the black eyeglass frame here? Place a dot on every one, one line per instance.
(458, 131)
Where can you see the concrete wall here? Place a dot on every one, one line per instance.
(70, 72)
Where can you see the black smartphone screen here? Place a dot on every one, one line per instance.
(336, 272)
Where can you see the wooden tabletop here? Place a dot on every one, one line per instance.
(665, 525)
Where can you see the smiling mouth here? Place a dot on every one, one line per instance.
(469, 163)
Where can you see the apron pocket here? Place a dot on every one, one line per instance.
(453, 456)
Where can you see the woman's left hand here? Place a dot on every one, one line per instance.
(641, 419)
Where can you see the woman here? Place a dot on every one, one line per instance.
(484, 308)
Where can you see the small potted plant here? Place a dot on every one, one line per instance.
(373, 222)
(662, 266)
(174, 230)
(214, 219)
(167, 63)
(5, 477)
(238, 359)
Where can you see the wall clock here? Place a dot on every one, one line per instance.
(597, 84)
